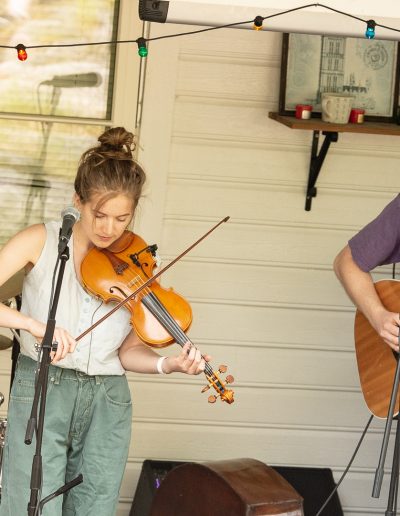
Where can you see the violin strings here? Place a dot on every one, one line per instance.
(138, 282)
(163, 316)
(154, 305)
(169, 323)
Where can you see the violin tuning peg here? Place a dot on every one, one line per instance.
(223, 368)
(205, 388)
(212, 399)
(229, 379)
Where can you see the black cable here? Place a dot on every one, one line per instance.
(91, 337)
(229, 25)
(347, 467)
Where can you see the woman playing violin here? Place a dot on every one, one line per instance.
(88, 409)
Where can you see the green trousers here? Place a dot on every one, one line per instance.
(87, 430)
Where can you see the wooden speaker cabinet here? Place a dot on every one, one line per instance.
(239, 487)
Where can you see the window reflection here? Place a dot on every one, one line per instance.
(69, 81)
(36, 176)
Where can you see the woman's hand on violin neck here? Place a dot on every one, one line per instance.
(189, 361)
(138, 357)
(63, 342)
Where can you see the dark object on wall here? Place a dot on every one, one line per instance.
(314, 485)
(153, 11)
(236, 487)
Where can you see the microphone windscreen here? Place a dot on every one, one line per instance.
(72, 211)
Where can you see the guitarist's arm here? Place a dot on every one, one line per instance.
(360, 288)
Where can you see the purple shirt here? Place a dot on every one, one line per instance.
(378, 243)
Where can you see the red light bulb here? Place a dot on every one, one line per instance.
(21, 52)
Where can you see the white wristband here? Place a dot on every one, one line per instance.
(159, 365)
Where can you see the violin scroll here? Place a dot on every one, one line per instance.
(214, 380)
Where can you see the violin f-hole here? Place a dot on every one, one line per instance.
(111, 290)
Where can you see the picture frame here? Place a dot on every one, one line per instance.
(367, 69)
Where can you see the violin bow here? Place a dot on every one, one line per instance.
(150, 280)
(213, 378)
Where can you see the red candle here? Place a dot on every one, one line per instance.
(356, 116)
(303, 111)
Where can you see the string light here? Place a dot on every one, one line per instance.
(142, 48)
(258, 23)
(21, 52)
(370, 32)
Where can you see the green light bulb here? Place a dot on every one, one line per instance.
(142, 48)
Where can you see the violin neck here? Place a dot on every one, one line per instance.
(156, 308)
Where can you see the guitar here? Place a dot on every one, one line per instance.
(375, 359)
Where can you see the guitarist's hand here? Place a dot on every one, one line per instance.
(386, 324)
(361, 290)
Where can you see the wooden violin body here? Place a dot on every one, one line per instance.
(159, 316)
(115, 273)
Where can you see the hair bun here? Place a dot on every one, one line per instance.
(117, 139)
(109, 168)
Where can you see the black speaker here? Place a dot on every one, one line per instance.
(313, 484)
(152, 474)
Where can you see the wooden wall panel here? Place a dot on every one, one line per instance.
(224, 281)
(271, 202)
(285, 326)
(264, 296)
(262, 244)
(193, 441)
(304, 404)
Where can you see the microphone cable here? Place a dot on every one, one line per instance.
(347, 467)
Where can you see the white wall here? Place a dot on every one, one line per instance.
(263, 293)
(264, 297)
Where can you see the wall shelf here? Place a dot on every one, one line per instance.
(316, 124)
(330, 131)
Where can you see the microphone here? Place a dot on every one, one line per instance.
(69, 215)
(77, 80)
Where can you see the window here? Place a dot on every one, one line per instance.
(70, 81)
(54, 105)
(37, 166)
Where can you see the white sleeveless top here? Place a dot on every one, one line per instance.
(97, 352)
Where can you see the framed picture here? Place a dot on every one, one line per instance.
(364, 68)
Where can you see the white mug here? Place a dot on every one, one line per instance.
(336, 107)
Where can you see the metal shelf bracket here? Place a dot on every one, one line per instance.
(316, 162)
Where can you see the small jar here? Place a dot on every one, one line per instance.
(356, 116)
(303, 111)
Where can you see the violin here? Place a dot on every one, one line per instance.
(124, 273)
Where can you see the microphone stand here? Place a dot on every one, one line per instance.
(37, 425)
(394, 477)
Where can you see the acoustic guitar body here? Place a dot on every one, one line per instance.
(375, 359)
